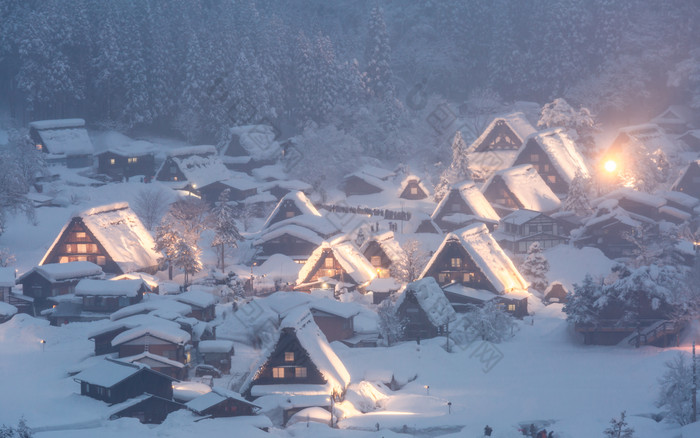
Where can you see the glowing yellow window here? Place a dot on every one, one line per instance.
(289, 356)
(112, 161)
(300, 372)
(278, 373)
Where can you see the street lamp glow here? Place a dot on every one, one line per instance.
(610, 166)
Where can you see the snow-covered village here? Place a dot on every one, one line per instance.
(357, 218)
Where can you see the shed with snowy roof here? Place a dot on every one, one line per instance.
(245, 148)
(197, 166)
(464, 204)
(111, 236)
(556, 292)
(53, 279)
(134, 158)
(335, 264)
(202, 303)
(519, 187)
(7, 282)
(299, 363)
(220, 402)
(382, 251)
(64, 141)
(147, 408)
(366, 181)
(115, 381)
(425, 310)
(217, 353)
(162, 364)
(104, 335)
(555, 156)
(109, 296)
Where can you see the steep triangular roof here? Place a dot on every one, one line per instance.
(472, 197)
(528, 187)
(516, 122)
(119, 230)
(300, 322)
(348, 256)
(562, 152)
(388, 243)
(297, 199)
(431, 299)
(488, 256)
(410, 178)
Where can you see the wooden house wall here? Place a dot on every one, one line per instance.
(418, 326)
(609, 238)
(336, 272)
(501, 137)
(137, 384)
(170, 171)
(639, 208)
(690, 183)
(516, 307)
(211, 192)
(413, 186)
(205, 314)
(533, 154)
(229, 408)
(288, 342)
(66, 248)
(153, 345)
(557, 294)
(334, 327)
(103, 342)
(222, 361)
(469, 274)
(288, 245)
(144, 165)
(357, 186)
(234, 148)
(374, 249)
(153, 410)
(101, 303)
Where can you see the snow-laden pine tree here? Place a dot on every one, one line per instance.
(580, 124)
(166, 238)
(663, 167)
(411, 262)
(489, 322)
(391, 325)
(582, 306)
(457, 171)
(535, 268)
(187, 256)
(379, 77)
(619, 428)
(577, 198)
(224, 224)
(676, 393)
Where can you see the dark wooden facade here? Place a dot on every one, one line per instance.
(72, 161)
(354, 185)
(103, 341)
(287, 209)
(289, 363)
(334, 327)
(329, 267)
(229, 407)
(689, 182)
(378, 258)
(170, 171)
(417, 324)
(413, 190)
(293, 246)
(211, 192)
(142, 381)
(533, 154)
(151, 410)
(455, 265)
(222, 361)
(499, 195)
(40, 288)
(517, 237)
(454, 204)
(109, 303)
(501, 137)
(155, 345)
(555, 293)
(78, 243)
(610, 237)
(118, 165)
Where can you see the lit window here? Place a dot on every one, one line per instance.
(81, 259)
(414, 190)
(328, 262)
(545, 168)
(69, 248)
(82, 248)
(174, 178)
(133, 160)
(468, 277)
(456, 262)
(278, 373)
(511, 307)
(39, 147)
(101, 260)
(289, 356)
(376, 261)
(534, 158)
(442, 278)
(552, 178)
(92, 248)
(81, 234)
(112, 161)
(300, 372)
(63, 259)
(289, 214)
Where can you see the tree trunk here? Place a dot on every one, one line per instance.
(170, 271)
(222, 259)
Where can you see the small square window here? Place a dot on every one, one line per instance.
(455, 262)
(414, 190)
(328, 262)
(278, 373)
(112, 161)
(511, 307)
(81, 234)
(289, 356)
(552, 178)
(300, 372)
(534, 158)
(289, 214)
(376, 261)
(101, 260)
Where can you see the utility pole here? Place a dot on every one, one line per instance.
(695, 388)
(447, 335)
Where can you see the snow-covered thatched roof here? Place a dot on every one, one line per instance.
(415, 178)
(66, 271)
(119, 230)
(488, 256)
(517, 122)
(528, 187)
(472, 197)
(389, 245)
(187, 151)
(293, 230)
(354, 264)
(635, 196)
(562, 152)
(201, 171)
(259, 141)
(64, 137)
(301, 323)
(519, 217)
(125, 288)
(168, 334)
(197, 298)
(133, 321)
(431, 299)
(299, 200)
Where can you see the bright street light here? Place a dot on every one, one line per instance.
(610, 166)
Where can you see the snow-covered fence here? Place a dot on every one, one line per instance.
(385, 213)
